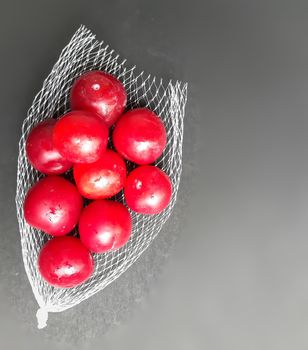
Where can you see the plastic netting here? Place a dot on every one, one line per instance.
(84, 53)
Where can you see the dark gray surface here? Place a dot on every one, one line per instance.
(229, 270)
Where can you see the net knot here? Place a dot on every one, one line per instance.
(42, 317)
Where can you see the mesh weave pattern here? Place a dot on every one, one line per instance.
(85, 53)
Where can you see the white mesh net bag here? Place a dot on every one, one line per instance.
(84, 53)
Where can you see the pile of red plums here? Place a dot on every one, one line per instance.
(78, 140)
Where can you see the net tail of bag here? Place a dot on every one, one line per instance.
(84, 53)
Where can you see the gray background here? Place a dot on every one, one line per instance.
(230, 268)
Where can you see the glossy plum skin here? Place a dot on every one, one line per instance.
(105, 225)
(65, 262)
(53, 205)
(102, 179)
(80, 136)
(101, 93)
(41, 152)
(140, 136)
(147, 190)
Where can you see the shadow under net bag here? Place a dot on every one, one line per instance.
(84, 53)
